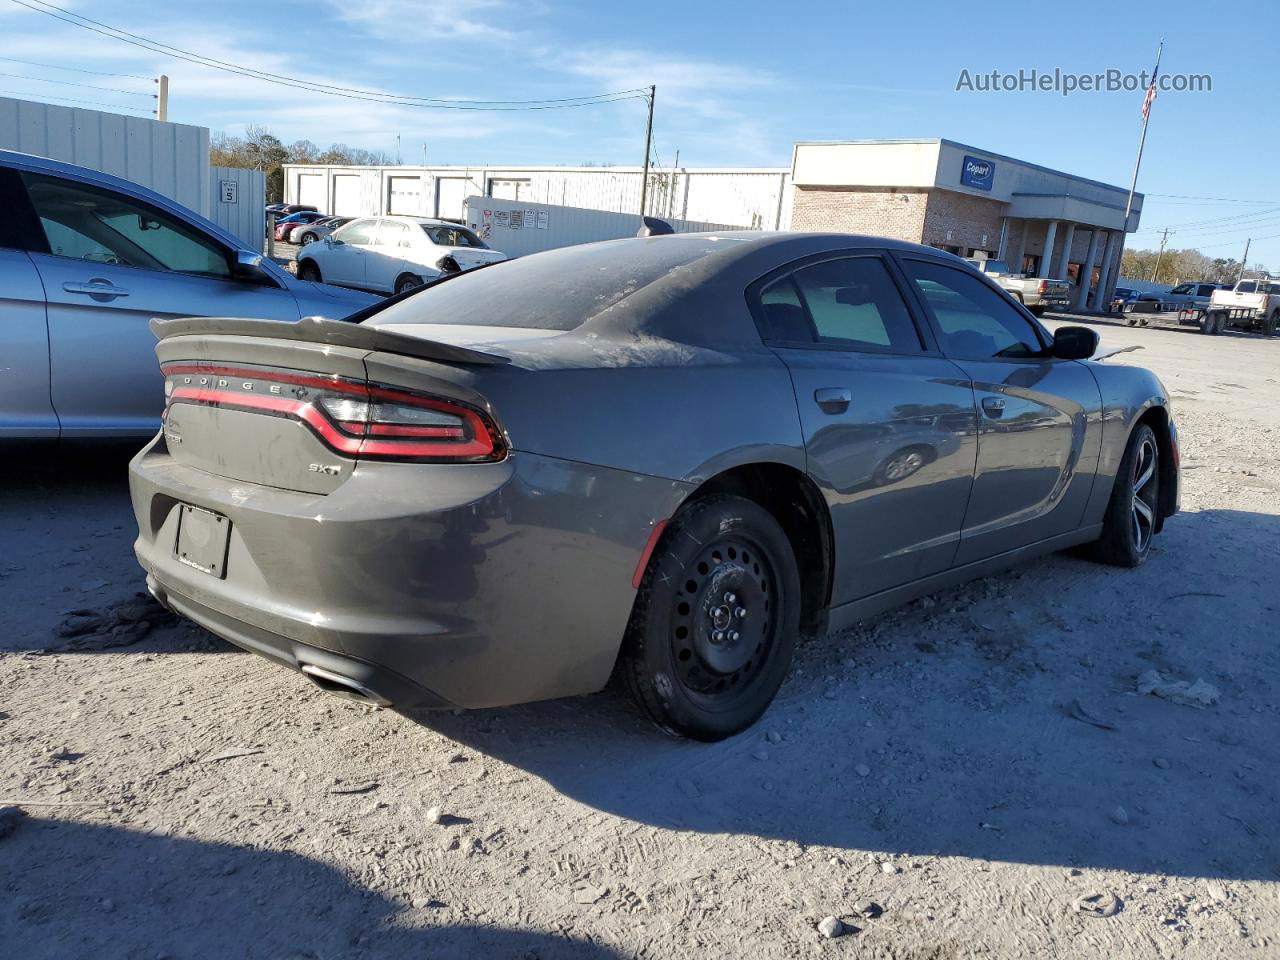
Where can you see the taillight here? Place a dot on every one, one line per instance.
(369, 421)
(1044, 286)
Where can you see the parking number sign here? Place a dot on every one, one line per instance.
(229, 190)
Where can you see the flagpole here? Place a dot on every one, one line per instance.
(1142, 140)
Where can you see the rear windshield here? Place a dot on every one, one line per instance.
(556, 290)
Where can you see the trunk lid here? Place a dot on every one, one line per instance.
(290, 404)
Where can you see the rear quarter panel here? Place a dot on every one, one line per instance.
(1128, 392)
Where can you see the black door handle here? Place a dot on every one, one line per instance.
(832, 399)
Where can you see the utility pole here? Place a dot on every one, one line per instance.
(1244, 261)
(648, 139)
(162, 98)
(1163, 240)
(671, 190)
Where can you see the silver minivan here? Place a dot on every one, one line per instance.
(86, 261)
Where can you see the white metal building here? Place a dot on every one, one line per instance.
(170, 158)
(753, 197)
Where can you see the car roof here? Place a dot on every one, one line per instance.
(424, 221)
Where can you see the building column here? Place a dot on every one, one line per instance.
(1046, 261)
(1113, 271)
(1016, 252)
(1104, 272)
(1081, 299)
(1067, 239)
(1004, 238)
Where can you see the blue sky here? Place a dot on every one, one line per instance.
(738, 83)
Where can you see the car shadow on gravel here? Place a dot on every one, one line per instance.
(1017, 737)
(73, 889)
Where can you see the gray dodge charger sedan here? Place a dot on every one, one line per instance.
(666, 458)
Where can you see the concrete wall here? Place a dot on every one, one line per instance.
(757, 198)
(169, 158)
(518, 227)
(240, 209)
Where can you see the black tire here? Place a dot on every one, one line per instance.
(308, 270)
(1269, 325)
(1221, 326)
(1126, 534)
(1207, 322)
(716, 620)
(407, 282)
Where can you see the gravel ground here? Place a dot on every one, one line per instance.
(973, 775)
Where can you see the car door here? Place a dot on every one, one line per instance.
(109, 263)
(1039, 418)
(888, 422)
(342, 259)
(385, 258)
(25, 407)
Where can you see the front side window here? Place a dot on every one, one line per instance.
(87, 223)
(1183, 288)
(975, 322)
(854, 303)
(361, 233)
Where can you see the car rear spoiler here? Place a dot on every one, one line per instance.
(338, 333)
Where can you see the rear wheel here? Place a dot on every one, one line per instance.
(1269, 325)
(407, 282)
(308, 238)
(307, 270)
(716, 620)
(1132, 516)
(1208, 321)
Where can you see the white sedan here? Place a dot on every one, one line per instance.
(393, 254)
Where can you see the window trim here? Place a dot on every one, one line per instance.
(928, 344)
(20, 228)
(1042, 334)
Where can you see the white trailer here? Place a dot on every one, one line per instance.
(518, 227)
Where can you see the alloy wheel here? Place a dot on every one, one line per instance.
(1143, 502)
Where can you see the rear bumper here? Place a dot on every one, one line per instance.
(469, 585)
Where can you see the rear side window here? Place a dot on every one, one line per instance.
(975, 322)
(854, 303)
(393, 234)
(86, 223)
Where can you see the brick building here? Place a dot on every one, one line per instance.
(971, 202)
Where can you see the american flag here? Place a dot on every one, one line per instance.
(1149, 99)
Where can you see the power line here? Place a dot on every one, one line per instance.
(72, 83)
(1181, 196)
(96, 103)
(349, 93)
(54, 66)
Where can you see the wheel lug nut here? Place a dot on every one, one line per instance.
(730, 598)
(734, 636)
(740, 612)
(718, 636)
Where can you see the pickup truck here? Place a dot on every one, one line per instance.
(1035, 294)
(1251, 304)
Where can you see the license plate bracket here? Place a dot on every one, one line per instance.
(203, 538)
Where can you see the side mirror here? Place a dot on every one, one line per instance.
(248, 268)
(1074, 343)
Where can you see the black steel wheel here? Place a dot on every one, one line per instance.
(307, 270)
(716, 620)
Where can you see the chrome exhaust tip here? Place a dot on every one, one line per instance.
(345, 687)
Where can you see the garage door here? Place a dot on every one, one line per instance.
(311, 191)
(346, 195)
(450, 192)
(405, 195)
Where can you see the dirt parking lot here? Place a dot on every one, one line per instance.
(974, 775)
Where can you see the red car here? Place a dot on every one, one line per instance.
(286, 226)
